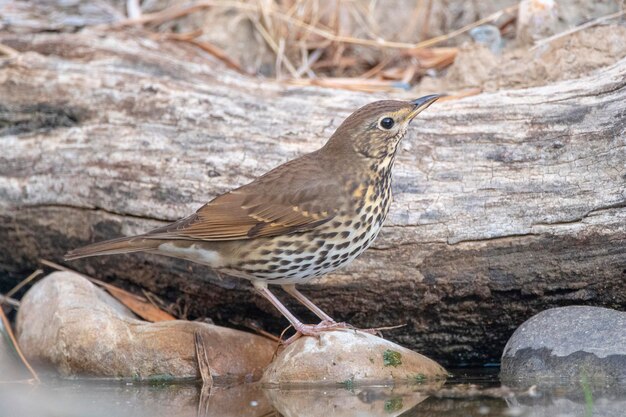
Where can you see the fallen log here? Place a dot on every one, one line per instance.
(505, 204)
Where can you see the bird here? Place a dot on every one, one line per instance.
(301, 220)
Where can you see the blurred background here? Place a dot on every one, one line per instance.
(366, 45)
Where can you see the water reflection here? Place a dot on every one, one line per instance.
(91, 399)
(363, 402)
(583, 398)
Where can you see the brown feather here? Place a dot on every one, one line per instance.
(113, 246)
(297, 196)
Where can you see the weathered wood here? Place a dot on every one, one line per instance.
(505, 203)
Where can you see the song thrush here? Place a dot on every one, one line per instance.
(301, 220)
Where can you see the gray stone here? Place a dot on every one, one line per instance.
(568, 343)
(69, 324)
(351, 358)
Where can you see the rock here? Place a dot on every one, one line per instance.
(536, 19)
(568, 342)
(348, 357)
(70, 324)
(489, 36)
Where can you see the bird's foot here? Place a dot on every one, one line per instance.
(316, 330)
(375, 330)
(334, 325)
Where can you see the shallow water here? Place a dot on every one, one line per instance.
(469, 393)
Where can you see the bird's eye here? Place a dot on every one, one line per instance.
(387, 123)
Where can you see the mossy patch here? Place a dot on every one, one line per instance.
(159, 379)
(393, 404)
(349, 384)
(392, 358)
(419, 378)
(584, 382)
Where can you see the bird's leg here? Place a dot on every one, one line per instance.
(327, 322)
(300, 328)
(262, 289)
(291, 290)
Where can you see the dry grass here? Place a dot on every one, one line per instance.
(327, 43)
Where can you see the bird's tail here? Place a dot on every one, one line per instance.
(114, 246)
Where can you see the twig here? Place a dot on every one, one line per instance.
(218, 53)
(58, 267)
(308, 60)
(187, 36)
(417, 11)
(190, 37)
(280, 342)
(10, 301)
(426, 23)
(7, 327)
(257, 329)
(20, 381)
(133, 9)
(158, 302)
(409, 73)
(438, 57)
(204, 368)
(507, 24)
(19, 286)
(204, 402)
(8, 51)
(353, 84)
(279, 59)
(578, 28)
(466, 28)
(377, 329)
(357, 15)
(265, 15)
(203, 359)
(270, 41)
(377, 68)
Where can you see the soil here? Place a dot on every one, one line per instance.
(574, 56)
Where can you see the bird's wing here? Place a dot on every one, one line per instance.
(280, 202)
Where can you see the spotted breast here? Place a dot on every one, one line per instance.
(299, 257)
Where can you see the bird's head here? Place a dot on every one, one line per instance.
(375, 129)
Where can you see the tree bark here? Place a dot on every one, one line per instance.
(505, 204)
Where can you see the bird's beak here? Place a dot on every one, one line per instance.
(422, 103)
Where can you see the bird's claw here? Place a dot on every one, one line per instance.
(315, 330)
